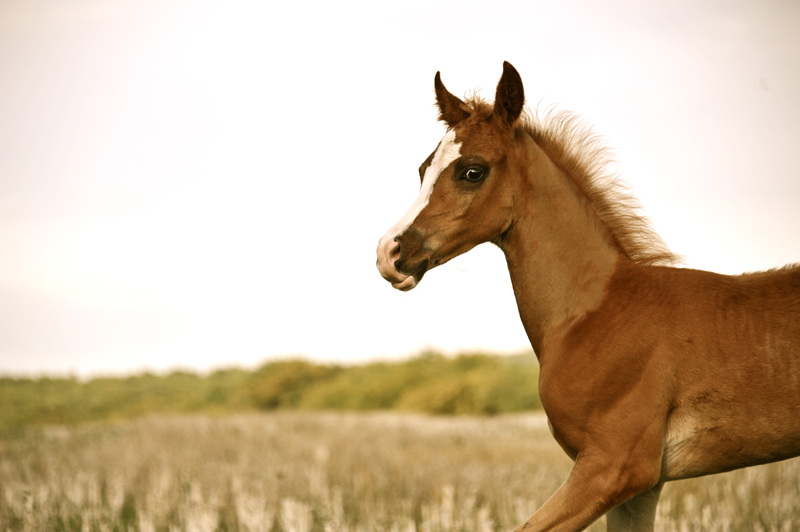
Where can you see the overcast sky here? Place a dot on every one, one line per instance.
(203, 184)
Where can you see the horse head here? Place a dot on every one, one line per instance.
(466, 194)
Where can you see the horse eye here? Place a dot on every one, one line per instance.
(473, 174)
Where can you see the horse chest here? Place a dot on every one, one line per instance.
(571, 452)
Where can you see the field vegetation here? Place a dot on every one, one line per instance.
(430, 383)
(430, 444)
(294, 471)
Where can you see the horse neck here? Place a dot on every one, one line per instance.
(559, 253)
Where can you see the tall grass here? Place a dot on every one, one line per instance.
(293, 471)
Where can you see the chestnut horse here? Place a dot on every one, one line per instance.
(648, 372)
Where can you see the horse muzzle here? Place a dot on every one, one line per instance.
(394, 267)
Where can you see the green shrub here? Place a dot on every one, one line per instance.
(477, 384)
(282, 384)
(374, 386)
(429, 382)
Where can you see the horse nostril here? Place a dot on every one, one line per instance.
(396, 251)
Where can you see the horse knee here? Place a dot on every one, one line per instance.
(624, 482)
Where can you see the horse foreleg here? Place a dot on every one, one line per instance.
(637, 514)
(594, 487)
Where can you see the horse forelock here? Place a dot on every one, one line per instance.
(583, 157)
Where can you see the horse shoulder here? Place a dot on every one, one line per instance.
(610, 367)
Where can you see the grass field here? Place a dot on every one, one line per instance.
(290, 471)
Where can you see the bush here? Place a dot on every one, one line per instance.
(282, 384)
(430, 382)
(477, 384)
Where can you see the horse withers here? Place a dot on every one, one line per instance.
(648, 372)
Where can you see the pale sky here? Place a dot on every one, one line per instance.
(196, 184)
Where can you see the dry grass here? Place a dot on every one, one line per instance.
(323, 472)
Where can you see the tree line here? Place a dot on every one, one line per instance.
(476, 384)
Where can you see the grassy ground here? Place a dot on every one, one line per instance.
(328, 472)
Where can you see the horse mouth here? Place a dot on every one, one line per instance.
(405, 281)
(413, 277)
(394, 266)
(409, 283)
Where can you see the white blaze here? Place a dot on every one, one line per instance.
(448, 151)
(388, 250)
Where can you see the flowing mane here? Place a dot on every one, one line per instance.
(582, 156)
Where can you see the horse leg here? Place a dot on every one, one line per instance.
(600, 481)
(637, 514)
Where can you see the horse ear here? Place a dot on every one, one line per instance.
(510, 96)
(451, 109)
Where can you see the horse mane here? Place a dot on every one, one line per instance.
(582, 156)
